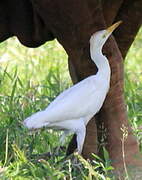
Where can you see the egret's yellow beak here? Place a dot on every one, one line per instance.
(113, 27)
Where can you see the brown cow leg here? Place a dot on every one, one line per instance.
(114, 116)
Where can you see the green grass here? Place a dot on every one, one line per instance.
(133, 86)
(29, 80)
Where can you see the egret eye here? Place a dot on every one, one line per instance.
(104, 36)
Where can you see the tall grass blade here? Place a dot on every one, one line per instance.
(6, 148)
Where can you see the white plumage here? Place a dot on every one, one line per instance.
(74, 107)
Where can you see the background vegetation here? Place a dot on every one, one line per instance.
(29, 80)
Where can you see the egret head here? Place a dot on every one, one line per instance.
(99, 38)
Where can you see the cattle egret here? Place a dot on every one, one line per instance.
(74, 107)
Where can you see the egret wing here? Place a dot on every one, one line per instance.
(73, 103)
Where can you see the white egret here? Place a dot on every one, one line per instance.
(74, 107)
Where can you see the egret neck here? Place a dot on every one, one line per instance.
(102, 64)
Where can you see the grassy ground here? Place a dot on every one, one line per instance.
(29, 80)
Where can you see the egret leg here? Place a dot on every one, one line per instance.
(62, 139)
(63, 136)
(80, 138)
